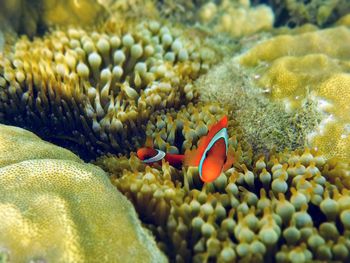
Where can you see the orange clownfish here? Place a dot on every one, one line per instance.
(211, 157)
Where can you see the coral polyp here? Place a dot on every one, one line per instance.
(98, 88)
(222, 127)
(284, 205)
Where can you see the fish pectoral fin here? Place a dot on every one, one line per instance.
(190, 158)
(229, 160)
(149, 142)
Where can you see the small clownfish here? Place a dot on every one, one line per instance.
(211, 156)
(150, 155)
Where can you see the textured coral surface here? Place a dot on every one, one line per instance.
(17, 145)
(284, 205)
(65, 211)
(312, 65)
(101, 76)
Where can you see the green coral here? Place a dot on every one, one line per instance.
(66, 211)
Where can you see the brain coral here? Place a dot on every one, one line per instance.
(63, 210)
(96, 89)
(17, 145)
(313, 65)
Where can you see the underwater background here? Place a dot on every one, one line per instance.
(85, 83)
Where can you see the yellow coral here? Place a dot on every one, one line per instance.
(63, 211)
(30, 16)
(284, 200)
(311, 65)
(238, 19)
(97, 89)
(66, 12)
(17, 145)
(331, 42)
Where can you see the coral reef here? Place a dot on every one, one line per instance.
(264, 124)
(32, 17)
(97, 89)
(283, 205)
(275, 207)
(296, 13)
(65, 211)
(18, 145)
(237, 18)
(122, 10)
(313, 65)
(176, 131)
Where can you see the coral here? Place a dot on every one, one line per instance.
(313, 65)
(264, 124)
(296, 13)
(96, 90)
(284, 205)
(344, 21)
(31, 17)
(63, 210)
(176, 131)
(275, 207)
(236, 18)
(252, 214)
(122, 10)
(17, 145)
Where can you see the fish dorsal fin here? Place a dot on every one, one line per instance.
(193, 157)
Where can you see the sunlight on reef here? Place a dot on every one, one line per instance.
(105, 78)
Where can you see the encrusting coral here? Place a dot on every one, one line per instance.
(97, 89)
(17, 145)
(264, 124)
(313, 65)
(237, 18)
(65, 211)
(32, 17)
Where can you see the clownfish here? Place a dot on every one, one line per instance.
(211, 156)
